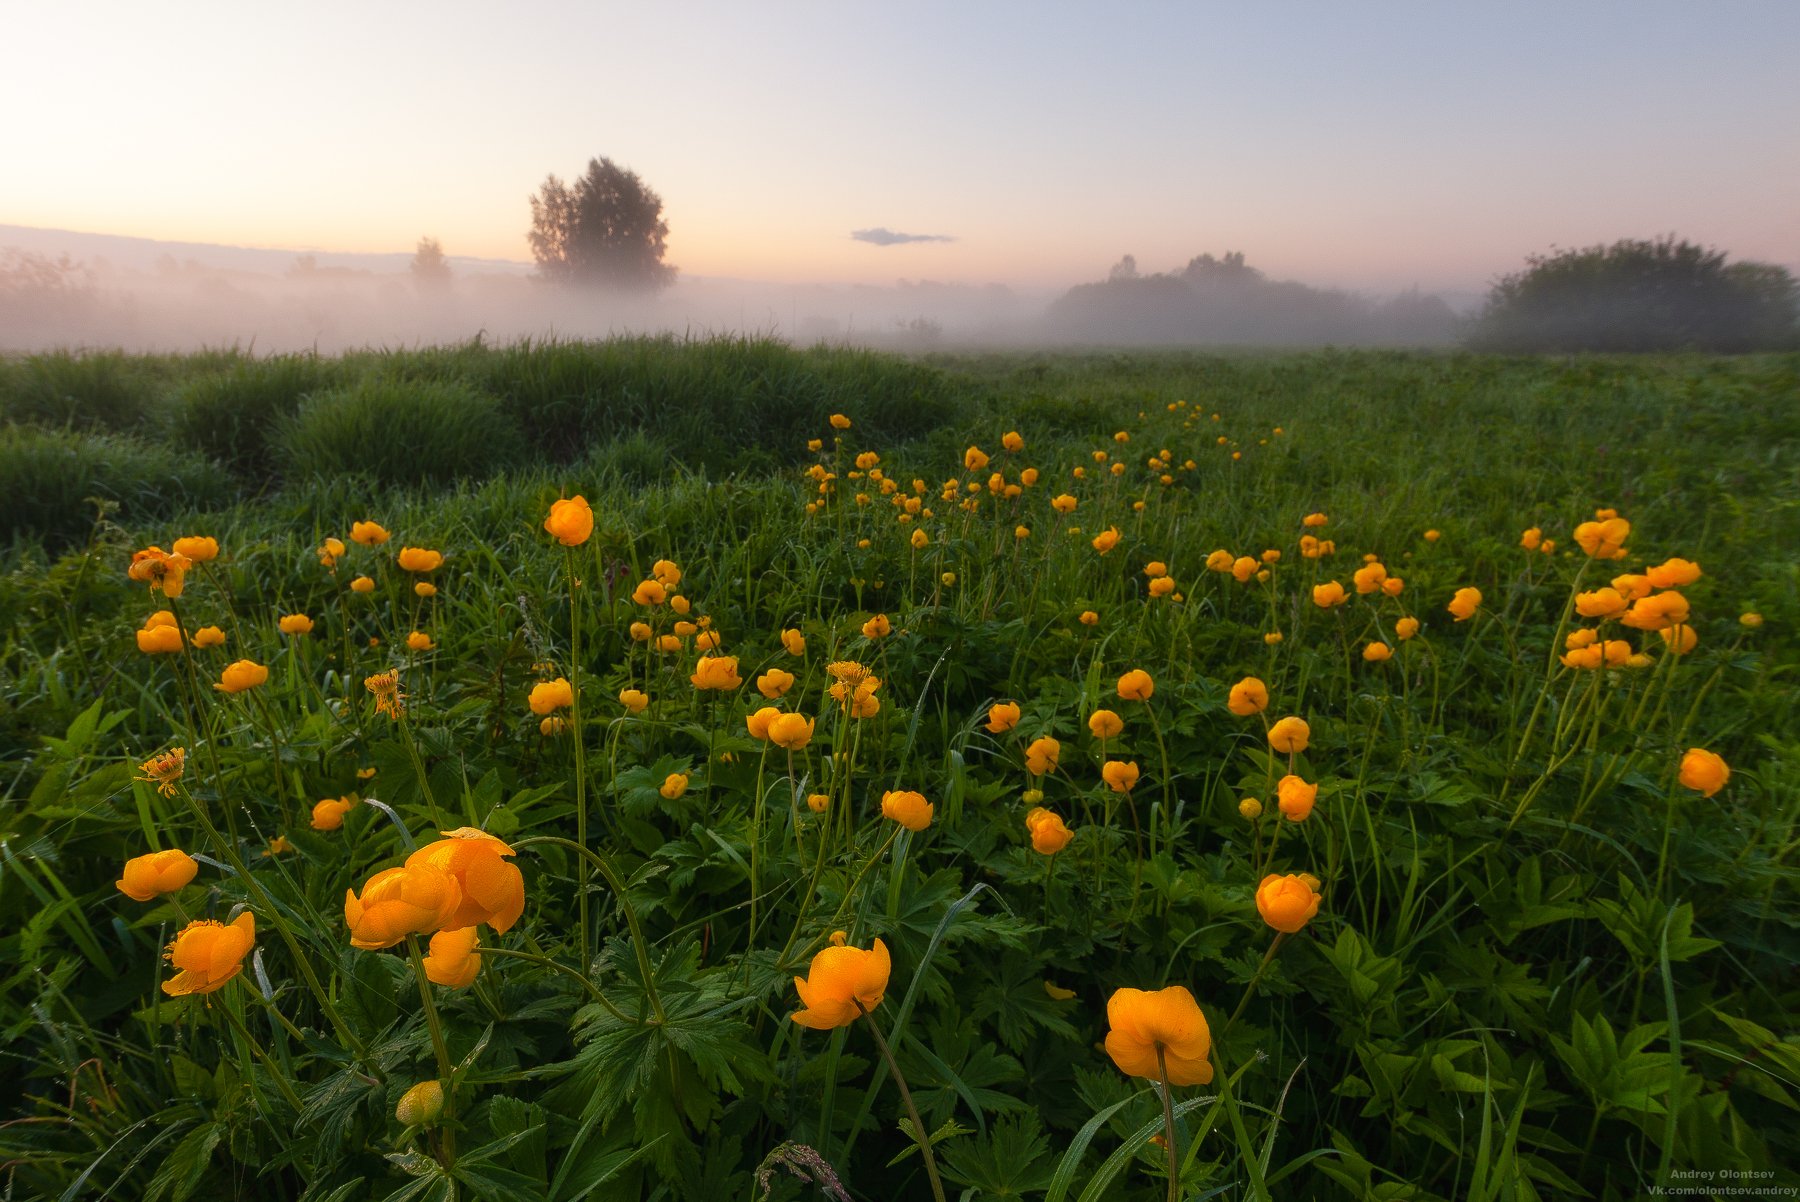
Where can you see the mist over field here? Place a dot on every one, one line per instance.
(60, 289)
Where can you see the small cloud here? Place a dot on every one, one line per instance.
(887, 237)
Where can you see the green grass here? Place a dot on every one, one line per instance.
(1540, 966)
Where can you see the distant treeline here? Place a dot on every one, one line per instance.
(1662, 295)
(1224, 301)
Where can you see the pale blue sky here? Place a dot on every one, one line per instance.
(1363, 145)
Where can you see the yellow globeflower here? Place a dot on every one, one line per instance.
(209, 954)
(571, 521)
(244, 674)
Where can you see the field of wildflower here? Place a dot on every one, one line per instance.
(1140, 777)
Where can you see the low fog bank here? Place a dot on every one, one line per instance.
(139, 298)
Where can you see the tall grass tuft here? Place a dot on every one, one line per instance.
(398, 432)
(230, 416)
(50, 474)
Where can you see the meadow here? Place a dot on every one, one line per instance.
(663, 769)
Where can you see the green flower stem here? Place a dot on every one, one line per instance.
(611, 877)
(418, 763)
(446, 1071)
(912, 1111)
(580, 738)
(593, 990)
(1268, 958)
(281, 1081)
(267, 907)
(1162, 1069)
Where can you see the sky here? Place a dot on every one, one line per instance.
(1369, 145)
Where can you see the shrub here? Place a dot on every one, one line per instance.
(232, 416)
(1640, 296)
(51, 473)
(399, 433)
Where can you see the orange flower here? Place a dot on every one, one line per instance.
(1703, 771)
(164, 770)
(841, 984)
(1369, 578)
(209, 636)
(1314, 520)
(1329, 594)
(1287, 903)
(839, 422)
(420, 559)
(674, 785)
(397, 902)
(1143, 1023)
(793, 642)
(1295, 798)
(1290, 736)
(878, 627)
(1248, 696)
(295, 624)
(418, 640)
(1048, 834)
(550, 696)
(159, 640)
(362, 584)
(369, 534)
(716, 672)
(1658, 612)
(328, 815)
(1106, 540)
(1105, 724)
(160, 570)
(1041, 755)
(1089, 618)
(1121, 775)
(1604, 539)
(148, 877)
(389, 699)
(1464, 604)
(1012, 441)
(209, 954)
(1375, 653)
(453, 961)
(1002, 716)
(791, 731)
(492, 890)
(330, 551)
(1600, 603)
(758, 723)
(571, 521)
(1136, 685)
(1244, 569)
(634, 700)
(197, 548)
(244, 674)
(1063, 503)
(1671, 573)
(1679, 639)
(908, 808)
(1405, 628)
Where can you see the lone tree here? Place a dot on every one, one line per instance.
(430, 269)
(1640, 296)
(606, 230)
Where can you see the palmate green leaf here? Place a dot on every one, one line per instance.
(1012, 997)
(947, 1130)
(1010, 1160)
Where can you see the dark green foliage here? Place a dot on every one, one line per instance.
(232, 416)
(1641, 296)
(50, 474)
(708, 400)
(398, 432)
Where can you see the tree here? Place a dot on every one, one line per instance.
(606, 230)
(430, 269)
(1640, 296)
